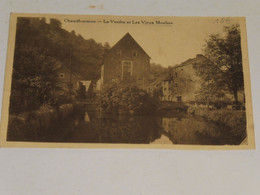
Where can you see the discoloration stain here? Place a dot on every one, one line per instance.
(96, 6)
(92, 6)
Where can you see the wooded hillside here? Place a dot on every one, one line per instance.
(40, 49)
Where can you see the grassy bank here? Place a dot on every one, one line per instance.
(234, 119)
(165, 108)
(28, 126)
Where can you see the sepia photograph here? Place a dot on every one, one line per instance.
(127, 81)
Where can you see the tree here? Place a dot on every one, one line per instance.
(42, 48)
(34, 79)
(207, 72)
(224, 69)
(106, 46)
(56, 23)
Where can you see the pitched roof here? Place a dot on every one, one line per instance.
(199, 58)
(126, 39)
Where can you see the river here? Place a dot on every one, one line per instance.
(89, 127)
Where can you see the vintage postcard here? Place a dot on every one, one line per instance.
(127, 82)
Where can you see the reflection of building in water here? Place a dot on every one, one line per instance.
(86, 119)
(76, 123)
(192, 131)
(167, 123)
(162, 140)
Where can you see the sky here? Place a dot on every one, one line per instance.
(168, 45)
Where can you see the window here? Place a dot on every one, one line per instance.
(127, 69)
(176, 85)
(134, 53)
(176, 74)
(61, 75)
(118, 52)
(178, 98)
(140, 81)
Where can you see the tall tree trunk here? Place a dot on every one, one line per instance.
(235, 96)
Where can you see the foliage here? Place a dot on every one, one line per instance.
(34, 79)
(157, 69)
(40, 50)
(106, 47)
(158, 72)
(157, 93)
(224, 69)
(126, 98)
(207, 72)
(234, 119)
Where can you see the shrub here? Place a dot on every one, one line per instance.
(65, 110)
(234, 119)
(126, 98)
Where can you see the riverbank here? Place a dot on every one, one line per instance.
(234, 119)
(165, 108)
(28, 125)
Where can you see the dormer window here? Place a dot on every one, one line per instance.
(62, 75)
(134, 53)
(118, 52)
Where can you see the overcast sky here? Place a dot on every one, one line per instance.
(167, 45)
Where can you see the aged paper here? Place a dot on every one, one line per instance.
(127, 82)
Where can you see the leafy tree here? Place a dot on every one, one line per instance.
(55, 22)
(39, 49)
(224, 53)
(106, 46)
(157, 70)
(209, 88)
(34, 79)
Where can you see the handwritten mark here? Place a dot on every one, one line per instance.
(223, 20)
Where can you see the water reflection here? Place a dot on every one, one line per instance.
(193, 131)
(89, 127)
(86, 119)
(117, 129)
(162, 140)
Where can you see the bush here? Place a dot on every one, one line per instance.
(65, 110)
(122, 98)
(234, 119)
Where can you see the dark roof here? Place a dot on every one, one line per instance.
(126, 39)
(199, 58)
